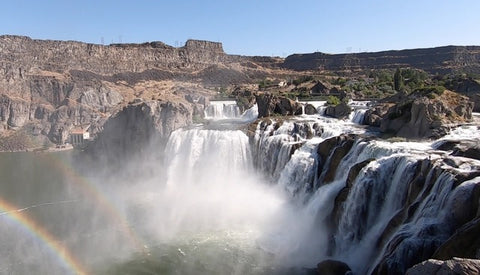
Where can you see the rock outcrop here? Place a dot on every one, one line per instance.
(269, 105)
(423, 114)
(340, 111)
(468, 149)
(468, 87)
(137, 128)
(453, 266)
(29, 54)
(310, 109)
(58, 85)
(331, 152)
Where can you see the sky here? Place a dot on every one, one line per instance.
(252, 27)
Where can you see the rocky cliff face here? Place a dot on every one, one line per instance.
(379, 206)
(137, 128)
(54, 86)
(22, 54)
(433, 60)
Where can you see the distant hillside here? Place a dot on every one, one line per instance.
(48, 87)
(433, 60)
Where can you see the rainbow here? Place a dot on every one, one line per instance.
(39, 233)
(101, 200)
(90, 190)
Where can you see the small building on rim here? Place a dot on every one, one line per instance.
(79, 135)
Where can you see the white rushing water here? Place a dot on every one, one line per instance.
(272, 196)
(378, 193)
(222, 110)
(232, 198)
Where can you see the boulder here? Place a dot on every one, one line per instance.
(453, 266)
(468, 152)
(341, 110)
(373, 116)
(269, 104)
(310, 109)
(320, 89)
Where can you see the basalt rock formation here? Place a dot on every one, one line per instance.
(269, 104)
(468, 87)
(421, 114)
(452, 235)
(341, 110)
(54, 86)
(453, 266)
(137, 128)
(433, 60)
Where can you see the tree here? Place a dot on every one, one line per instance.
(397, 80)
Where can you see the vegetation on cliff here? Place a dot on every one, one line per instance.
(59, 85)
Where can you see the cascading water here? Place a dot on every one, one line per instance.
(357, 116)
(212, 206)
(359, 229)
(233, 198)
(222, 110)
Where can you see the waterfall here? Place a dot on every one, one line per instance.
(359, 109)
(368, 213)
(312, 188)
(357, 116)
(274, 143)
(191, 153)
(373, 200)
(250, 115)
(222, 110)
(211, 184)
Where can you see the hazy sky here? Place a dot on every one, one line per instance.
(252, 27)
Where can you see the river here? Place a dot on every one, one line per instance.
(224, 202)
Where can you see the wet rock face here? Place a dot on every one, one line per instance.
(443, 238)
(453, 266)
(403, 240)
(331, 152)
(468, 149)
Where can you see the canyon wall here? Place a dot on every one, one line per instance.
(433, 60)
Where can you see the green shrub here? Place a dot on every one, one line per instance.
(333, 100)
